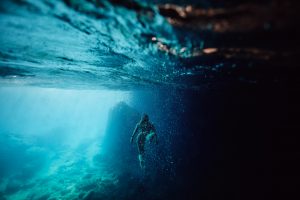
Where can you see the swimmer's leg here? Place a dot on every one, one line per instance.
(141, 148)
(142, 161)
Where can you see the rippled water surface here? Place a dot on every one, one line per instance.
(128, 44)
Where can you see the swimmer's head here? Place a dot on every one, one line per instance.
(145, 118)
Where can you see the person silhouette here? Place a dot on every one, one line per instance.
(145, 131)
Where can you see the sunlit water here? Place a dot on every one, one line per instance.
(49, 138)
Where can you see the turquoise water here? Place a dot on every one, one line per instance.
(50, 139)
(75, 144)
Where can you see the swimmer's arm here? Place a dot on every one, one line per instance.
(134, 132)
(155, 135)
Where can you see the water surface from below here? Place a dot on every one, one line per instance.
(132, 44)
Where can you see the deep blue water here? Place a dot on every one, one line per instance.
(218, 79)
